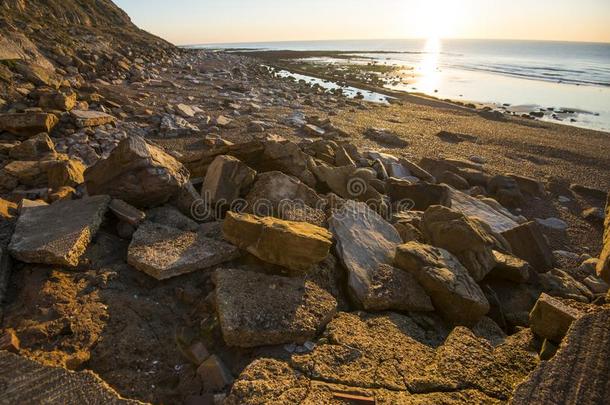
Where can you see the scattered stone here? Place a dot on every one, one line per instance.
(589, 191)
(418, 196)
(57, 100)
(137, 172)
(506, 191)
(9, 341)
(294, 245)
(58, 233)
(511, 268)
(578, 372)
(528, 243)
(91, 118)
(366, 245)
(461, 236)
(185, 110)
(385, 137)
(35, 148)
(594, 214)
(553, 223)
(8, 209)
(499, 221)
(214, 374)
(453, 291)
(27, 124)
(198, 353)
(529, 185)
(126, 212)
(163, 252)
(226, 179)
(256, 309)
(273, 190)
(603, 266)
(551, 319)
(68, 173)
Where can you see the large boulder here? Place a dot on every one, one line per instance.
(163, 252)
(465, 238)
(256, 309)
(603, 266)
(226, 178)
(137, 172)
(297, 246)
(578, 373)
(27, 124)
(453, 291)
(58, 233)
(271, 190)
(528, 243)
(366, 244)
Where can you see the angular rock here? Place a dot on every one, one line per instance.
(498, 220)
(603, 266)
(453, 291)
(185, 110)
(214, 374)
(529, 185)
(420, 196)
(294, 245)
(58, 233)
(34, 148)
(511, 268)
(26, 381)
(528, 243)
(57, 100)
(256, 309)
(163, 252)
(272, 189)
(349, 182)
(27, 124)
(385, 137)
(91, 118)
(366, 245)
(505, 190)
(551, 319)
(225, 180)
(461, 236)
(126, 212)
(578, 373)
(68, 173)
(137, 172)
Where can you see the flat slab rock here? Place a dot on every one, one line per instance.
(395, 360)
(163, 252)
(499, 221)
(578, 373)
(88, 118)
(256, 309)
(58, 233)
(25, 381)
(366, 245)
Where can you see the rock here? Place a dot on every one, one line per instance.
(214, 374)
(551, 319)
(559, 283)
(454, 180)
(197, 353)
(578, 372)
(461, 236)
(58, 233)
(499, 221)
(26, 204)
(294, 245)
(35, 148)
(250, 316)
(553, 223)
(313, 130)
(189, 202)
(9, 341)
(528, 243)
(226, 179)
(57, 100)
(62, 193)
(8, 209)
(223, 121)
(453, 291)
(603, 266)
(349, 182)
(596, 285)
(589, 191)
(137, 172)
(385, 137)
(163, 252)
(91, 118)
(27, 124)
(409, 233)
(185, 110)
(418, 196)
(511, 268)
(126, 213)
(273, 190)
(172, 217)
(594, 214)
(29, 173)
(529, 185)
(505, 190)
(366, 244)
(26, 381)
(68, 173)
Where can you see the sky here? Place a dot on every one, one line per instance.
(188, 22)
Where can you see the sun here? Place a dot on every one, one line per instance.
(437, 19)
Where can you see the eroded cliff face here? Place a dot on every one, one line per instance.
(47, 41)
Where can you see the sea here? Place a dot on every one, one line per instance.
(569, 82)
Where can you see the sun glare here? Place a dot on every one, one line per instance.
(436, 19)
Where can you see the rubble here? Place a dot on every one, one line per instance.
(551, 319)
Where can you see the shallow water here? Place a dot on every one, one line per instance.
(528, 75)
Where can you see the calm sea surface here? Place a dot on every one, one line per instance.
(558, 77)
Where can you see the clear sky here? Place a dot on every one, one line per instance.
(214, 21)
